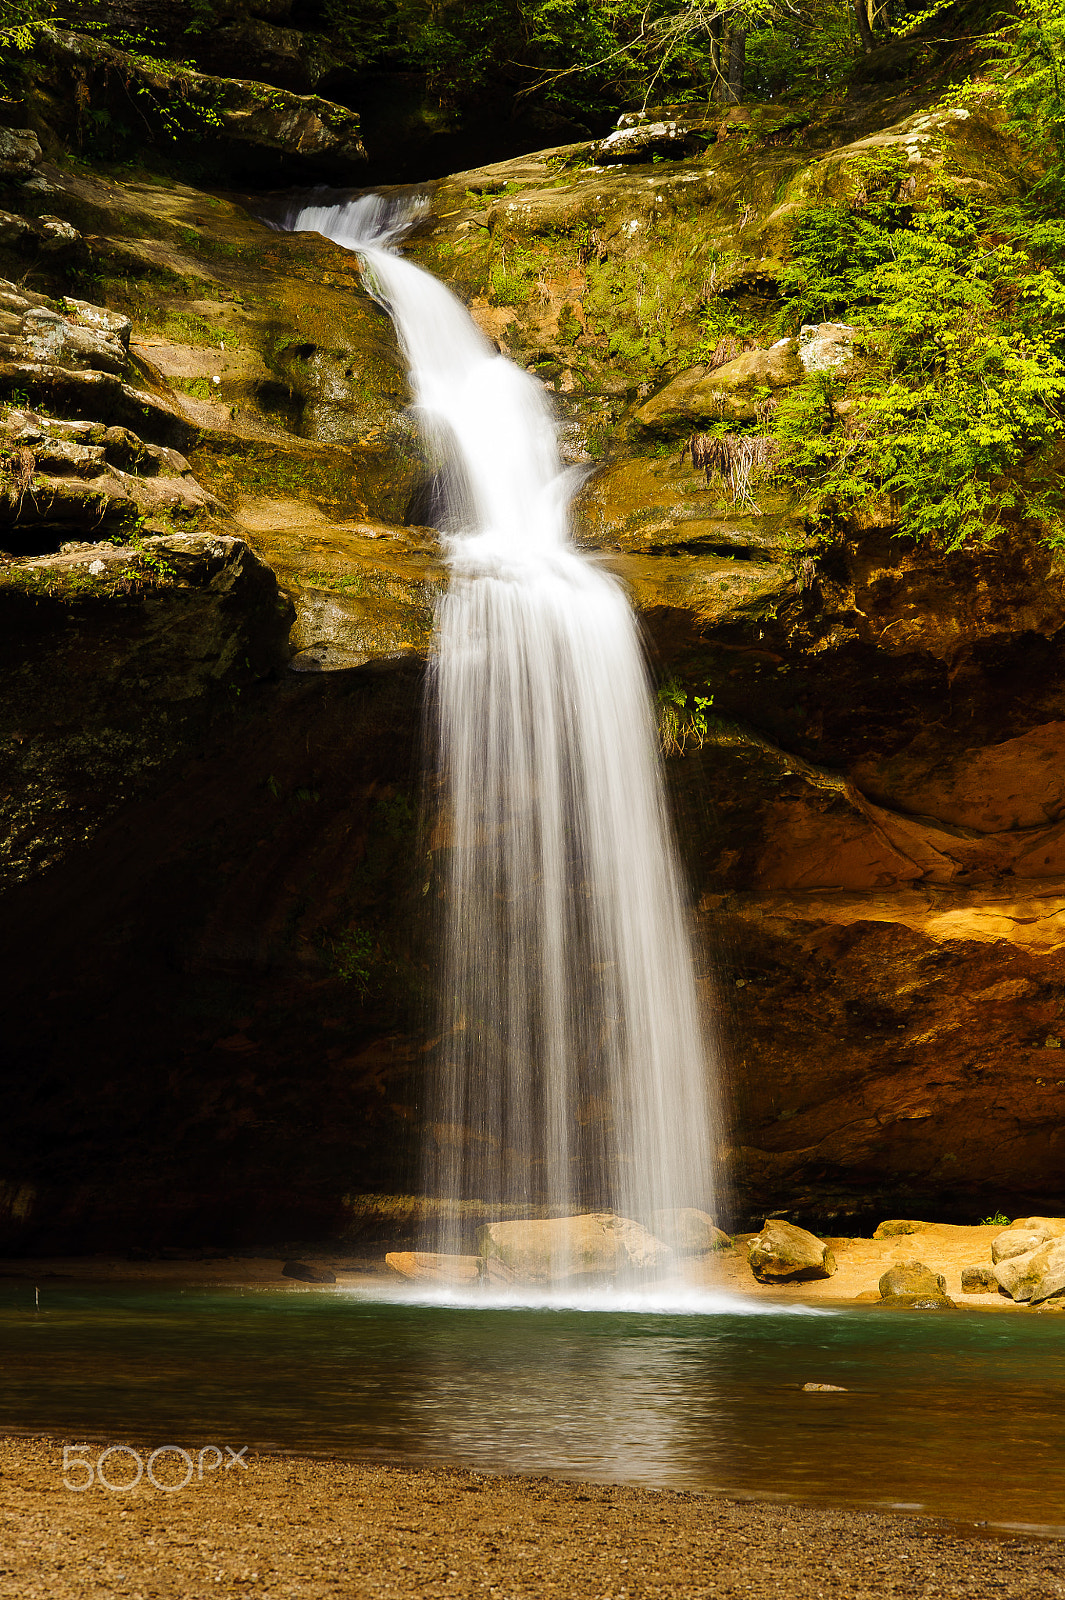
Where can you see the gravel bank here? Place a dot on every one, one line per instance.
(296, 1527)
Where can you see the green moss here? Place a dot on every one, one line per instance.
(260, 470)
(185, 327)
(340, 583)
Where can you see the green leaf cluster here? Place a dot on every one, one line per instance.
(21, 21)
(959, 314)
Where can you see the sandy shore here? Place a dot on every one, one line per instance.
(279, 1527)
(943, 1247)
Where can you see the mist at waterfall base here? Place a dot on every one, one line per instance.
(575, 1072)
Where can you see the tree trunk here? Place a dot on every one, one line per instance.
(737, 62)
(720, 89)
(861, 16)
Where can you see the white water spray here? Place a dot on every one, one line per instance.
(574, 1069)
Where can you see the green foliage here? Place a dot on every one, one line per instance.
(997, 1221)
(21, 21)
(587, 58)
(353, 955)
(1030, 54)
(802, 50)
(964, 369)
(682, 718)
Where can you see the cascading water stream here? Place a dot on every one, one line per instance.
(575, 1072)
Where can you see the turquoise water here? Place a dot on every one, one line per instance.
(958, 1414)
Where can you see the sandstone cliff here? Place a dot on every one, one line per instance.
(217, 592)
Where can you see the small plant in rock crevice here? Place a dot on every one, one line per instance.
(682, 718)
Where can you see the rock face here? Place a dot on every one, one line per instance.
(783, 1253)
(826, 346)
(315, 135)
(978, 1280)
(598, 1245)
(188, 619)
(872, 805)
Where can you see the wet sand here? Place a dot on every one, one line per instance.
(281, 1527)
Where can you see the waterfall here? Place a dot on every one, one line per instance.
(574, 1069)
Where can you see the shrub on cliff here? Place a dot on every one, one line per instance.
(948, 428)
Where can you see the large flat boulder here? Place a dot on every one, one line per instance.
(643, 141)
(428, 1266)
(597, 1244)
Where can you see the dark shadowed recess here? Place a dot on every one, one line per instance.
(209, 1007)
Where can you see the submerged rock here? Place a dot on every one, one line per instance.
(597, 1244)
(308, 1272)
(783, 1253)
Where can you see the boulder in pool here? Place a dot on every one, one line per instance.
(308, 1272)
(549, 1250)
(911, 1286)
(783, 1253)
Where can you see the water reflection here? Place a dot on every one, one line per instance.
(957, 1415)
